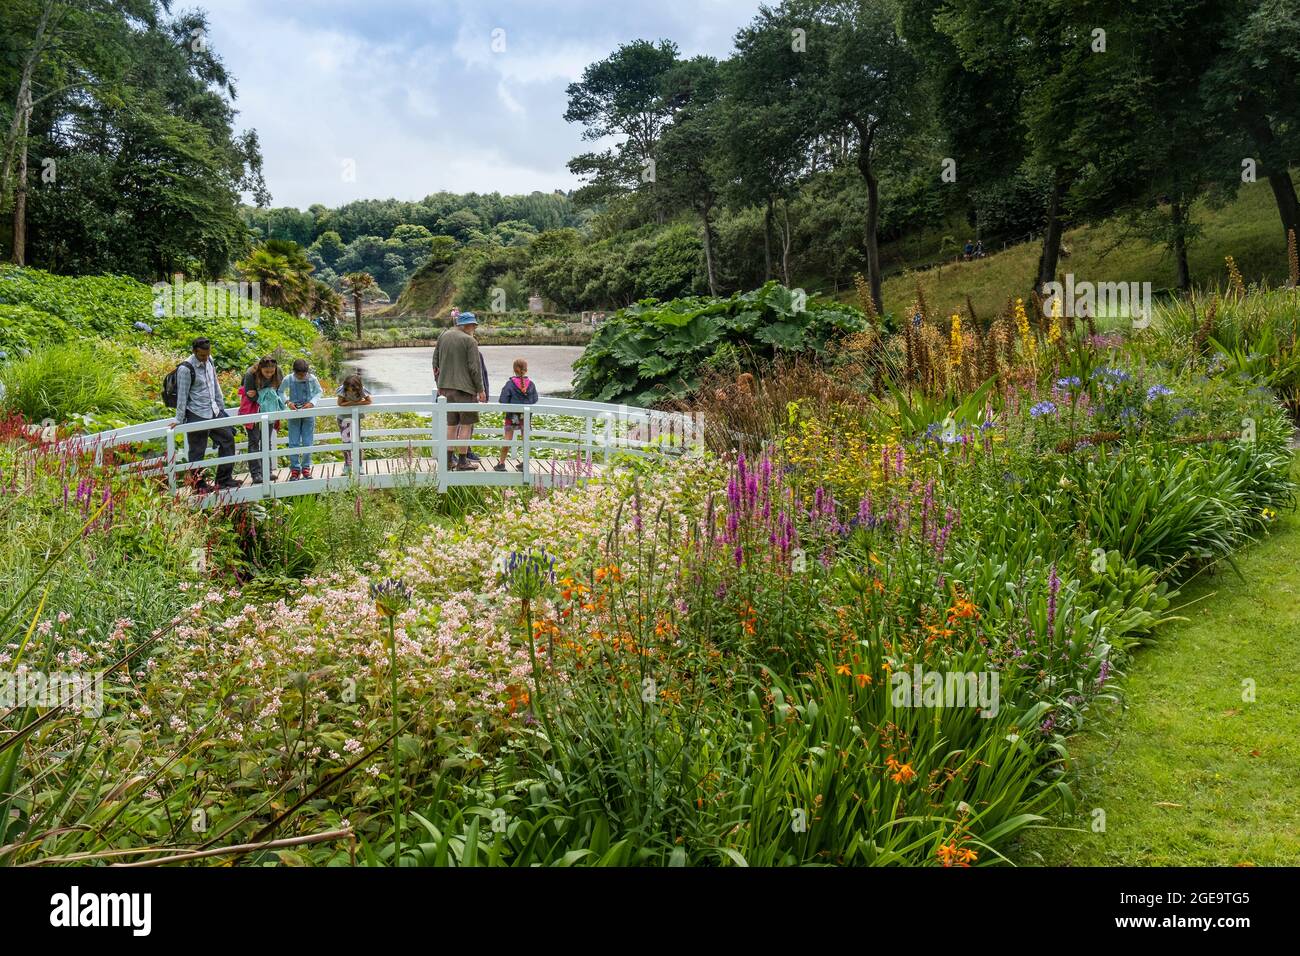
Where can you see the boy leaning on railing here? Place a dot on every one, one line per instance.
(300, 390)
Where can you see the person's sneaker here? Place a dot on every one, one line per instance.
(203, 487)
(499, 466)
(230, 484)
(473, 457)
(464, 464)
(294, 474)
(306, 472)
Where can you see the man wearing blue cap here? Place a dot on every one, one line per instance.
(458, 371)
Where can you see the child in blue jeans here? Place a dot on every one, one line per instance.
(300, 390)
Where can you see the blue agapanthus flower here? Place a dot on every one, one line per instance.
(1042, 408)
(1072, 381)
(1158, 391)
(1113, 376)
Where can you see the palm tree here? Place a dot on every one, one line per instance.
(360, 285)
(324, 301)
(283, 271)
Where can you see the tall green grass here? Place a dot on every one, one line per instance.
(66, 381)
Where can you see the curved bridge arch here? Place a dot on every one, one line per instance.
(563, 441)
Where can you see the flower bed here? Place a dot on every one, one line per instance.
(866, 644)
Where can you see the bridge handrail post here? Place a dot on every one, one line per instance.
(357, 469)
(171, 461)
(440, 439)
(586, 440)
(609, 435)
(525, 466)
(268, 461)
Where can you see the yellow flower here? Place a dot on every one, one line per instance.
(1022, 326)
(1054, 332)
(956, 339)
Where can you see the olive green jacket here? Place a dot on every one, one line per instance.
(456, 362)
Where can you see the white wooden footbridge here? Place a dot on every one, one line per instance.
(402, 440)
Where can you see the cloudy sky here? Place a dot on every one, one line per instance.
(413, 94)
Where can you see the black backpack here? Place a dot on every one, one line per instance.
(169, 388)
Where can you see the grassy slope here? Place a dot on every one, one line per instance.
(1190, 774)
(1247, 229)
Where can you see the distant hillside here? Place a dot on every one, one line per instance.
(1248, 229)
(429, 291)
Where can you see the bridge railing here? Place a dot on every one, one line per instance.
(561, 439)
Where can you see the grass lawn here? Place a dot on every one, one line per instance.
(1248, 229)
(1189, 773)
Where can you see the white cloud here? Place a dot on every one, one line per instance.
(413, 92)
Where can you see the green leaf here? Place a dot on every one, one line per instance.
(782, 335)
(654, 367)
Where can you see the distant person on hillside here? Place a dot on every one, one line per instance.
(458, 373)
(259, 392)
(979, 248)
(969, 250)
(198, 398)
(519, 390)
(300, 390)
(352, 392)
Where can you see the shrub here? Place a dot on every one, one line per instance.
(653, 351)
(41, 308)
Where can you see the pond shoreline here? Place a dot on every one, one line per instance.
(576, 341)
(409, 370)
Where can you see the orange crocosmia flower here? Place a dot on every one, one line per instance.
(905, 774)
(891, 762)
(962, 609)
(844, 669)
(967, 856)
(863, 679)
(947, 853)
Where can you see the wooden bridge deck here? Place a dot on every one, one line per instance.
(392, 473)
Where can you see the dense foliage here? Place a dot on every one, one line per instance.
(653, 351)
(123, 112)
(40, 308)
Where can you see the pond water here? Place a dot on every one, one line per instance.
(409, 371)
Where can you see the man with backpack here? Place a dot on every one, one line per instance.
(198, 398)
